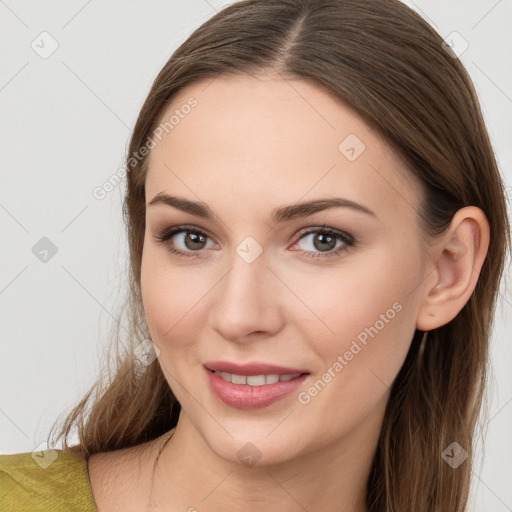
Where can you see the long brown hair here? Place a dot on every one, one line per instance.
(385, 61)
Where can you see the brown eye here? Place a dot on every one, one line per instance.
(325, 242)
(194, 241)
(188, 240)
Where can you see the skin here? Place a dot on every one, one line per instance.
(253, 144)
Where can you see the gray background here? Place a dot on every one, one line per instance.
(65, 123)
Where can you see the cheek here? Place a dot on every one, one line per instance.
(172, 297)
(345, 300)
(166, 299)
(162, 295)
(372, 313)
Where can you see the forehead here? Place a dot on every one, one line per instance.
(272, 140)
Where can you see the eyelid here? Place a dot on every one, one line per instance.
(347, 239)
(301, 232)
(178, 228)
(326, 229)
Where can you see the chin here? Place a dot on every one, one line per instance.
(252, 446)
(257, 453)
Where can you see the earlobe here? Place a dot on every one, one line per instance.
(457, 260)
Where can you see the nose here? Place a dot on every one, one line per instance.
(247, 301)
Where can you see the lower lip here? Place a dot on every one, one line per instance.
(245, 396)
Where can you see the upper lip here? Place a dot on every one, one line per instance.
(254, 368)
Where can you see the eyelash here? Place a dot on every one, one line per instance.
(168, 233)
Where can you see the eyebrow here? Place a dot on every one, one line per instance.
(281, 214)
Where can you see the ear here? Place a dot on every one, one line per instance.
(456, 260)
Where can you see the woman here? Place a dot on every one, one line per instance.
(317, 232)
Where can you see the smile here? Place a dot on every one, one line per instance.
(253, 391)
(256, 380)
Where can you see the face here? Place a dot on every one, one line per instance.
(330, 291)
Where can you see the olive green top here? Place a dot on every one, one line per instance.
(48, 481)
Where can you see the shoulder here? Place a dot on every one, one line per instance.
(53, 480)
(121, 479)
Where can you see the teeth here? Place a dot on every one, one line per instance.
(270, 379)
(238, 379)
(256, 380)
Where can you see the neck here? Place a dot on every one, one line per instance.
(331, 477)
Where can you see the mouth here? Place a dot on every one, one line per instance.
(252, 386)
(252, 369)
(256, 380)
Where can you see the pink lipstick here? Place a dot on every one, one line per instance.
(252, 385)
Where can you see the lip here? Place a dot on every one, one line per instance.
(244, 396)
(251, 368)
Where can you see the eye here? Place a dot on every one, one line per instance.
(193, 239)
(329, 241)
(326, 241)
